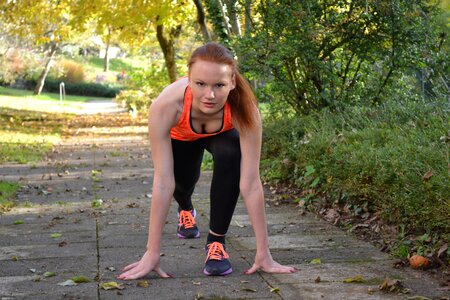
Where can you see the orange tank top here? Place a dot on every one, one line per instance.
(183, 130)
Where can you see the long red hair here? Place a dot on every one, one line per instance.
(242, 99)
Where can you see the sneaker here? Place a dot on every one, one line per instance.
(217, 263)
(187, 228)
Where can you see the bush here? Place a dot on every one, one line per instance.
(17, 67)
(69, 71)
(392, 158)
(82, 88)
(134, 100)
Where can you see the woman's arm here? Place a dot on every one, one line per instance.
(162, 116)
(253, 194)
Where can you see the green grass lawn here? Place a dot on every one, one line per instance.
(30, 125)
(7, 193)
(45, 102)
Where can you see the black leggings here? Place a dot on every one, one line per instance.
(226, 152)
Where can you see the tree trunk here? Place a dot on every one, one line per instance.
(233, 17)
(41, 80)
(248, 17)
(201, 20)
(108, 44)
(166, 42)
(217, 17)
(224, 17)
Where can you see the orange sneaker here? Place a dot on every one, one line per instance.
(187, 228)
(217, 263)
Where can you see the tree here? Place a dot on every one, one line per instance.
(134, 24)
(318, 54)
(201, 20)
(45, 22)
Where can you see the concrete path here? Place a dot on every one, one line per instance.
(56, 231)
(97, 106)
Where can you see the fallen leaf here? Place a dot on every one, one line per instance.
(391, 285)
(18, 222)
(315, 261)
(196, 282)
(317, 280)
(238, 224)
(247, 289)
(62, 244)
(33, 270)
(112, 269)
(112, 285)
(275, 290)
(143, 283)
(80, 279)
(442, 250)
(14, 258)
(56, 235)
(355, 279)
(69, 282)
(427, 175)
(49, 274)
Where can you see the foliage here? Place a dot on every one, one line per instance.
(134, 100)
(83, 88)
(318, 54)
(17, 66)
(69, 71)
(7, 193)
(146, 85)
(392, 158)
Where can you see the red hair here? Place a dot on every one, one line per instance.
(242, 99)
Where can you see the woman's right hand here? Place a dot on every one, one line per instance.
(149, 262)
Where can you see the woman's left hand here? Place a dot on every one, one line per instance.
(268, 265)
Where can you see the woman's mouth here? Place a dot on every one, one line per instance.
(208, 104)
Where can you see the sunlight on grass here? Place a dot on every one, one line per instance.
(46, 102)
(25, 147)
(26, 136)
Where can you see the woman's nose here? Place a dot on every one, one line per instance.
(210, 93)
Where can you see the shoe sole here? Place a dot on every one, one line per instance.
(227, 272)
(187, 237)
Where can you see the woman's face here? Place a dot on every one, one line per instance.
(210, 83)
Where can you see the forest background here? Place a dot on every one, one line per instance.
(354, 93)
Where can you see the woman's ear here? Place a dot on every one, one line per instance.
(233, 81)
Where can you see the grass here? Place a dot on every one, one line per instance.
(94, 65)
(27, 136)
(31, 125)
(7, 193)
(392, 158)
(46, 102)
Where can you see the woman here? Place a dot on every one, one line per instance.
(213, 109)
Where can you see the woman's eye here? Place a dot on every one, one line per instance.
(200, 84)
(220, 85)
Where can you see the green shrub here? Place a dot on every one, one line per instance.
(134, 100)
(82, 88)
(392, 158)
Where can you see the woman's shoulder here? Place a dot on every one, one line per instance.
(169, 104)
(174, 92)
